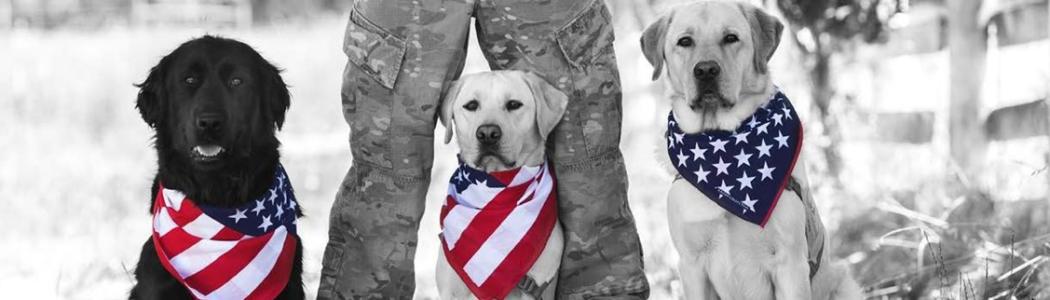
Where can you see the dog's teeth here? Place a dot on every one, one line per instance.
(208, 150)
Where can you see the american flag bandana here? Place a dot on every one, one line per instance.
(495, 225)
(744, 171)
(228, 253)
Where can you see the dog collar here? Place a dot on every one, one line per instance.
(228, 253)
(494, 226)
(743, 171)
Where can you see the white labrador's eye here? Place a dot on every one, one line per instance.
(235, 82)
(472, 105)
(685, 42)
(730, 38)
(513, 105)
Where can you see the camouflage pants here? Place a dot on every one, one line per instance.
(402, 55)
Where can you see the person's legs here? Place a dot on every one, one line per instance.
(569, 43)
(402, 55)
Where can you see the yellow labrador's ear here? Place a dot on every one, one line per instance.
(550, 103)
(447, 103)
(765, 34)
(653, 44)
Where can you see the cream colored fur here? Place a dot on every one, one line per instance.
(722, 256)
(524, 135)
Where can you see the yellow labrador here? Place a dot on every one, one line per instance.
(501, 120)
(714, 57)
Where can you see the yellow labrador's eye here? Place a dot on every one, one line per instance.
(472, 105)
(730, 38)
(513, 105)
(685, 42)
(235, 82)
(190, 80)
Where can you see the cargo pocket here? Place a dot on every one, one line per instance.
(331, 269)
(374, 61)
(332, 259)
(587, 45)
(375, 51)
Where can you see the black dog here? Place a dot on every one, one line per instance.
(215, 105)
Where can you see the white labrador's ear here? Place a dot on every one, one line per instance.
(550, 103)
(447, 103)
(765, 34)
(653, 44)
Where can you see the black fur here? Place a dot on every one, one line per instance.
(250, 115)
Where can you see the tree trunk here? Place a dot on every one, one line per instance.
(967, 48)
(1047, 100)
(822, 92)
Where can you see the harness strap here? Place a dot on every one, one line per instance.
(811, 231)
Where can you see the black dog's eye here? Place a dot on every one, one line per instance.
(513, 104)
(190, 80)
(472, 105)
(235, 82)
(685, 42)
(730, 38)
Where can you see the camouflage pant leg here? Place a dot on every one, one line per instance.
(570, 44)
(402, 55)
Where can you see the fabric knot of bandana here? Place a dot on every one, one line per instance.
(494, 226)
(745, 170)
(228, 253)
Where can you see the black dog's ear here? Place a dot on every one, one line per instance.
(275, 94)
(152, 93)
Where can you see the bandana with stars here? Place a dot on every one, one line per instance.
(744, 171)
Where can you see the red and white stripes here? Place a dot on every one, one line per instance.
(214, 261)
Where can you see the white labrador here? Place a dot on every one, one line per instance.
(722, 256)
(522, 109)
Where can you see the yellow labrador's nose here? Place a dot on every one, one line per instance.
(489, 134)
(706, 70)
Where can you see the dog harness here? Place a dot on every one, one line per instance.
(494, 227)
(228, 253)
(746, 170)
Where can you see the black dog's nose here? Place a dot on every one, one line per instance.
(489, 134)
(209, 122)
(706, 70)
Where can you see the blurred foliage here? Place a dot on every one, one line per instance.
(842, 19)
(266, 12)
(823, 28)
(92, 14)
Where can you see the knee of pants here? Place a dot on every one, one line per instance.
(383, 134)
(375, 202)
(372, 233)
(376, 216)
(593, 192)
